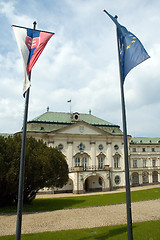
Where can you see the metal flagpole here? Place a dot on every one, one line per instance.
(70, 107)
(69, 101)
(22, 164)
(128, 194)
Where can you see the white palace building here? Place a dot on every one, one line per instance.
(94, 151)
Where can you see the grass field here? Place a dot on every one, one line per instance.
(141, 231)
(52, 204)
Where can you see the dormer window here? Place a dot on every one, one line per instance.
(75, 116)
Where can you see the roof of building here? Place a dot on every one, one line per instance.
(57, 120)
(144, 140)
(61, 117)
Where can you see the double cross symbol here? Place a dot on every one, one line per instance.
(32, 43)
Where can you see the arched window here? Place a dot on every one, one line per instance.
(100, 181)
(145, 177)
(135, 179)
(155, 177)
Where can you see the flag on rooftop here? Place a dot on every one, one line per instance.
(69, 100)
(31, 43)
(131, 50)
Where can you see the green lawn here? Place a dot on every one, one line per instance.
(141, 231)
(84, 201)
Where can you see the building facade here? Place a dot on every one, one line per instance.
(94, 151)
(144, 161)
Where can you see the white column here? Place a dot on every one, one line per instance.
(149, 162)
(150, 177)
(70, 154)
(109, 154)
(93, 153)
(140, 178)
(158, 162)
(158, 176)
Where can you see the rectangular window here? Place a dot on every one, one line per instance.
(144, 163)
(143, 149)
(77, 162)
(135, 163)
(116, 162)
(134, 150)
(154, 162)
(100, 162)
(84, 162)
(153, 150)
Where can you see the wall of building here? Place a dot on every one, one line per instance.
(144, 164)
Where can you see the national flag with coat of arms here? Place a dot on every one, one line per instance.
(31, 43)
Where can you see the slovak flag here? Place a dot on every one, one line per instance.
(31, 44)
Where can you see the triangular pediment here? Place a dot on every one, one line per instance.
(81, 128)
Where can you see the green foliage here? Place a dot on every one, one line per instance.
(59, 166)
(141, 231)
(44, 167)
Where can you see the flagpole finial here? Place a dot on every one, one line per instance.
(34, 25)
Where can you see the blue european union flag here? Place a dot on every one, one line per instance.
(131, 50)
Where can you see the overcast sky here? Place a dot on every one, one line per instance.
(80, 62)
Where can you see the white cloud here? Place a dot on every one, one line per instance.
(8, 9)
(80, 62)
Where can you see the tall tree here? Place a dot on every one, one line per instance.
(45, 167)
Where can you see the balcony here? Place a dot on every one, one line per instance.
(89, 168)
